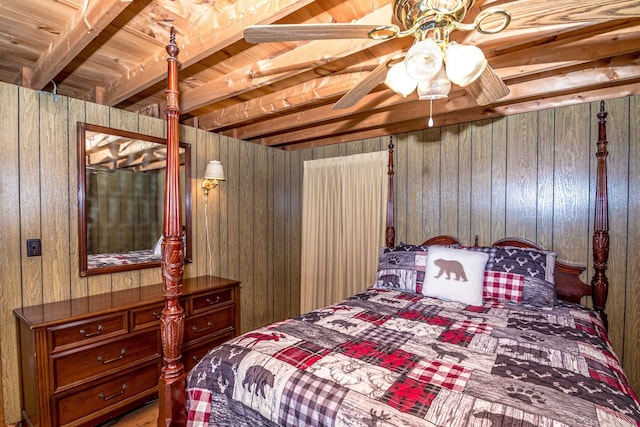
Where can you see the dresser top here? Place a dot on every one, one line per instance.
(51, 313)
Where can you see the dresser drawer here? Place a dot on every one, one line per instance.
(92, 362)
(86, 331)
(205, 325)
(146, 317)
(211, 300)
(194, 354)
(80, 407)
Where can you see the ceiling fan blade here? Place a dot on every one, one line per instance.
(374, 78)
(535, 13)
(488, 88)
(295, 32)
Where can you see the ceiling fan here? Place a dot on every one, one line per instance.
(433, 62)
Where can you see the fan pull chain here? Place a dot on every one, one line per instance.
(430, 113)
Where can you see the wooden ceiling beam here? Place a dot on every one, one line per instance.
(576, 50)
(537, 13)
(314, 54)
(546, 59)
(379, 100)
(292, 97)
(473, 114)
(198, 97)
(606, 75)
(85, 26)
(201, 42)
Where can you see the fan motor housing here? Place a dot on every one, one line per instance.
(412, 12)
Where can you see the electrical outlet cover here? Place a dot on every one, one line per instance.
(34, 248)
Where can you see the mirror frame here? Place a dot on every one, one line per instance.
(82, 211)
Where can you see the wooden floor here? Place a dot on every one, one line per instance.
(147, 416)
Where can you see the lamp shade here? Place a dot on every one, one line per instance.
(465, 63)
(423, 60)
(214, 171)
(399, 81)
(436, 88)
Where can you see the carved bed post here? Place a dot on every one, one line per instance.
(171, 390)
(391, 231)
(599, 282)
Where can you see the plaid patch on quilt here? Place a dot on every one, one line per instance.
(390, 358)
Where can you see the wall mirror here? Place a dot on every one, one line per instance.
(121, 197)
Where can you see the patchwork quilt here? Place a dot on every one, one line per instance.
(393, 358)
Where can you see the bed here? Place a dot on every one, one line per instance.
(406, 352)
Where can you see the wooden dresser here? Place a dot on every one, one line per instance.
(87, 360)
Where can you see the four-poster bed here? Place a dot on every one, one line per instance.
(507, 361)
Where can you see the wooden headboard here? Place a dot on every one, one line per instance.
(569, 286)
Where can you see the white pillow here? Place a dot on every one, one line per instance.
(455, 275)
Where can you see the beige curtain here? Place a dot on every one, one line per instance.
(344, 202)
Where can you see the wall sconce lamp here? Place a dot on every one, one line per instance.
(212, 175)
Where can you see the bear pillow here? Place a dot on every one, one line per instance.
(455, 275)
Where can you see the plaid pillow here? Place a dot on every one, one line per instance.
(535, 267)
(503, 287)
(421, 268)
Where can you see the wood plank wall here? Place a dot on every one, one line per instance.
(38, 189)
(529, 175)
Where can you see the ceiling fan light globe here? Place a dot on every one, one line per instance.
(399, 81)
(436, 88)
(423, 60)
(465, 63)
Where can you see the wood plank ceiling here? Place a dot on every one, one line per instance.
(280, 94)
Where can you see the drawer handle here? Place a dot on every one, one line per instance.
(212, 302)
(122, 390)
(91, 334)
(115, 359)
(196, 330)
(156, 315)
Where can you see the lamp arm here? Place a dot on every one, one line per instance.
(208, 184)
